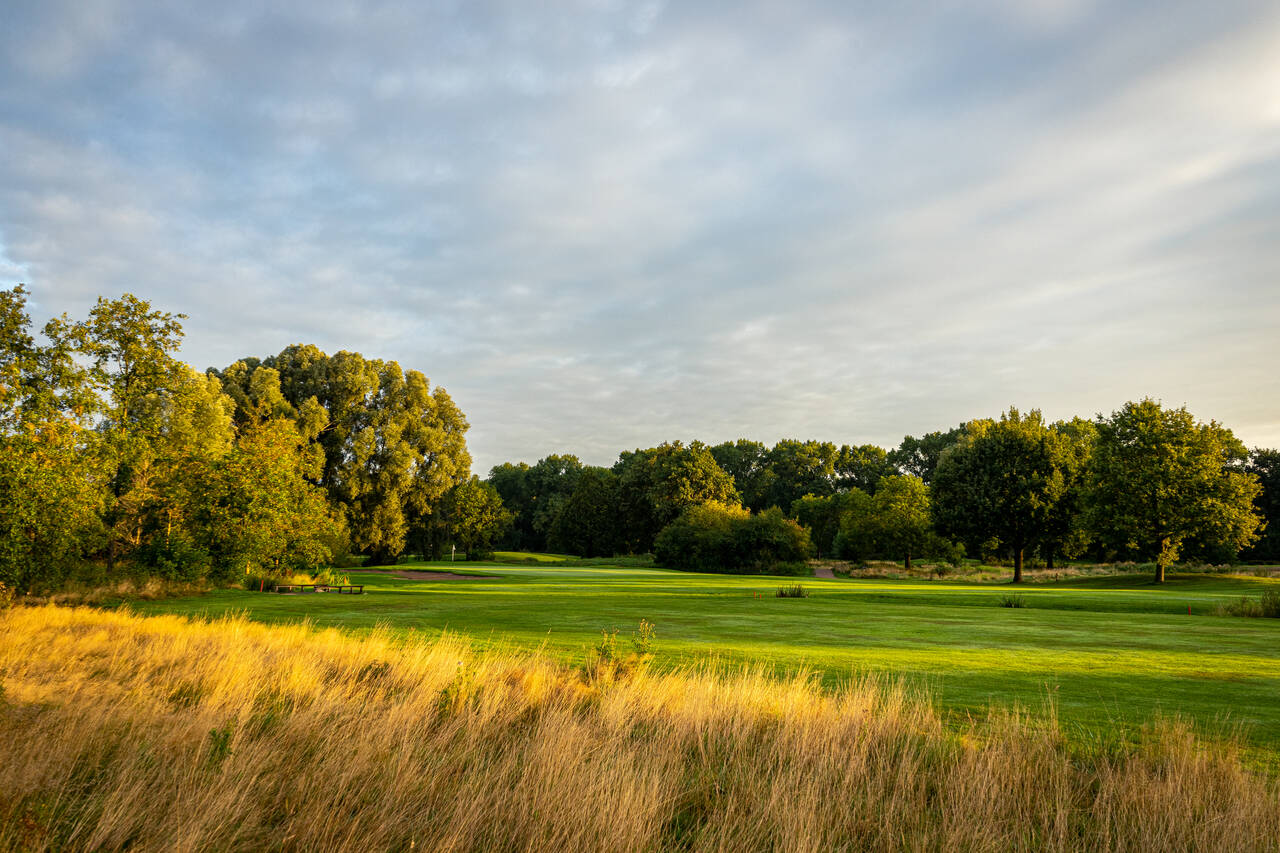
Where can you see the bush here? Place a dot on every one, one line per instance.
(1268, 606)
(716, 537)
(174, 558)
(796, 591)
(1012, 601)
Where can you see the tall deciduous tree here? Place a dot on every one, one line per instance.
(861, 467)
(900, 509)
(1265, 465)
(392, 445)
(256, 507)
(657, 484)
(919, 456)
(747, 462)
(152, 411)
(799, 468)
(1159, 477)
(473, 516)
(1002, 480)
(589, 524)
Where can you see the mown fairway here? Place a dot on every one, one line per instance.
(1110, 651)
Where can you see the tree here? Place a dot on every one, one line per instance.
(51, 498)
(1066, 533)
(747, 462)
(718, 537)
(1002, 480)
(512, 482)
(588, 525)
(256, 507)
(474, 516)
(919, 456)
(1159, 478)
(900, 509)
(799, 468)
(657, 484)
(147, 404)
(392, 446)
(861, 467)
(1265, 465)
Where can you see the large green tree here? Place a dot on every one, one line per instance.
(747, 462)
(861, 467)
(588, 525)
(255, 508)
(1159, 478)
(799, 468)
(1265, 465)
(900, 512)
(473, 516)
(1002, 480)
(919, 456)
(392, 445)
(657, 484)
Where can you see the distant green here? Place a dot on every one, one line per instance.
(1110, 651)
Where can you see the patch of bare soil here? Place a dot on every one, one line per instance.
(823, 572)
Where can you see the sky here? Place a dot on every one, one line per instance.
(604, 225)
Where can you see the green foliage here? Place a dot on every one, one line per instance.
(900, 516)
(656, 485)
(390, 446)
(747, 462)
(862, 467)
(1267, 606)
(257, 509)
(795, 591)
(51, 500)
(919, 457)
(536, 496)
(1159, 478)
(589, 523)
(716, 537)
(473, 517)
(1265, 465)
(1004, 479)
(1012, 601)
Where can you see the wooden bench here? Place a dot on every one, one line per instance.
(308, 588)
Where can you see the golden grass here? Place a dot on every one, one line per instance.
(118, 731)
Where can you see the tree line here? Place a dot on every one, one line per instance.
(116, 456)
(1147, 483)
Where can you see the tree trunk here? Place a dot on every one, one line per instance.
(1159, 571)
(1017, 565)
(908, 565)
(1048, 560)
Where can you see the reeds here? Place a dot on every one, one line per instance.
(118, 731)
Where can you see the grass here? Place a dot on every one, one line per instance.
(1112, 651)
(120, 732)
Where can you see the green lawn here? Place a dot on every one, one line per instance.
(1112, 651)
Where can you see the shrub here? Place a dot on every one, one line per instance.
(716, 537)
(796, 591)
(1012, 601)
(1267, 606)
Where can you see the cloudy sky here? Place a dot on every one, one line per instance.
(601, 225)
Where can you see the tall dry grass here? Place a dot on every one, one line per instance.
(161, 734)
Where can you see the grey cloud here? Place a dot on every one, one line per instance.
(605, 224)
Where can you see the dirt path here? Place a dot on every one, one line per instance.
(823, 572)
